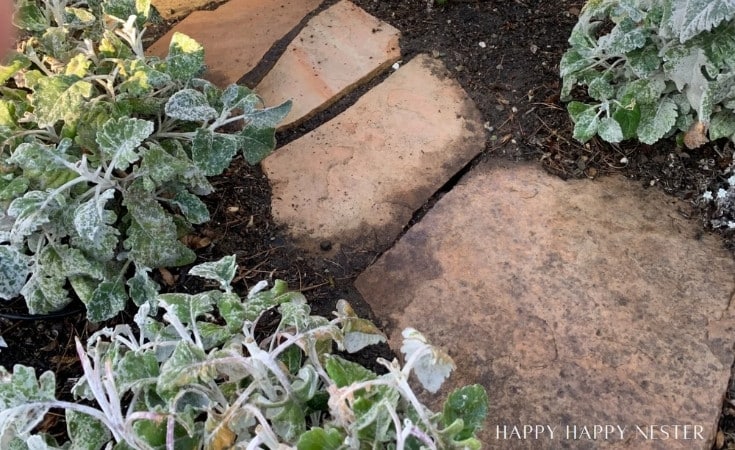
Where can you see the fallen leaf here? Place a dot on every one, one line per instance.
(196, 242)
(696, 136)
(167, 277)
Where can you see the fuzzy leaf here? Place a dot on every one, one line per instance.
(257, 143)
(107, 300)
(321, 439)
(212, 152)
(152, 239)
(656, 120)
(142, 289)
(93, 224)
(185, 366)
(85, 432)
(190, 105)
(186, 307)
(432, 365)
(586, 125)
(30, 213)
(610, 130)
(30, 17)
(59, 97)
(20, 393)
(628, 118)
(221, 271)
(13, 271)
(722, 125)
(469, 404)
(185, 58)
(160, 166)
(236, 96)
(192, 207)
(689, 18)
(345, 373)
(119, 138)
(122, 9)
(268, 117)
(16, 63)
(135, 370)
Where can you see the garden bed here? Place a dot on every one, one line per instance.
(506, 56)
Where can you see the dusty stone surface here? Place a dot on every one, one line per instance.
(338, 49)
(575, 303)
(359, 177)
(173, 9)
(236, 35)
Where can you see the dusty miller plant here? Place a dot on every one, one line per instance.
(205, 377)
(105, 152)
(652, 68)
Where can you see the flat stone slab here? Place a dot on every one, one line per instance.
(359, 177)
(173, 9)
(236, 35)
(575, 304)
(337, 50)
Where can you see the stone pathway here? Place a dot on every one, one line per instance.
(586, 308)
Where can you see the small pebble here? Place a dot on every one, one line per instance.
(482, 44)
(396, 66)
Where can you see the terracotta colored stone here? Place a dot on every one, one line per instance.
(360, 176)
(338, 49)
(575, 303)
(173, 9)
(236, 35)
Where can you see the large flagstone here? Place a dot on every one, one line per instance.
(575, 304)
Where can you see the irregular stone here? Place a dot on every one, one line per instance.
(338, 49)
(575, 304)
(360, 176)
(173, 9)
(236, 35)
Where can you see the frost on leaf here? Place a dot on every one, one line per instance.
(152, 238)
(119, 138)
(430, 364)
(689, 18)
(221, 271)
(190, 105)
(268, 117)
(13, 271)
(59, 97)
(92, 222)
(656, 120)
(185, 57)
(212, 152)
(30, 212)
(20, 393)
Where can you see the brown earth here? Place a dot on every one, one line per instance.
(505, 54)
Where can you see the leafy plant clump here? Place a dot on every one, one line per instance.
(105, 152)
(652, 68)
(205, 377)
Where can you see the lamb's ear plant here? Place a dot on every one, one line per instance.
(652, 68)
(105, 152)
(207, 376)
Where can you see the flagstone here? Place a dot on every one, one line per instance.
(359, 177)
(236, 35)
(337, 50)
(575, 304)
(173, 9)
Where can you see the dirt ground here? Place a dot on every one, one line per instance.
(506, 56)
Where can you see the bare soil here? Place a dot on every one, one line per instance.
(506, 56)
